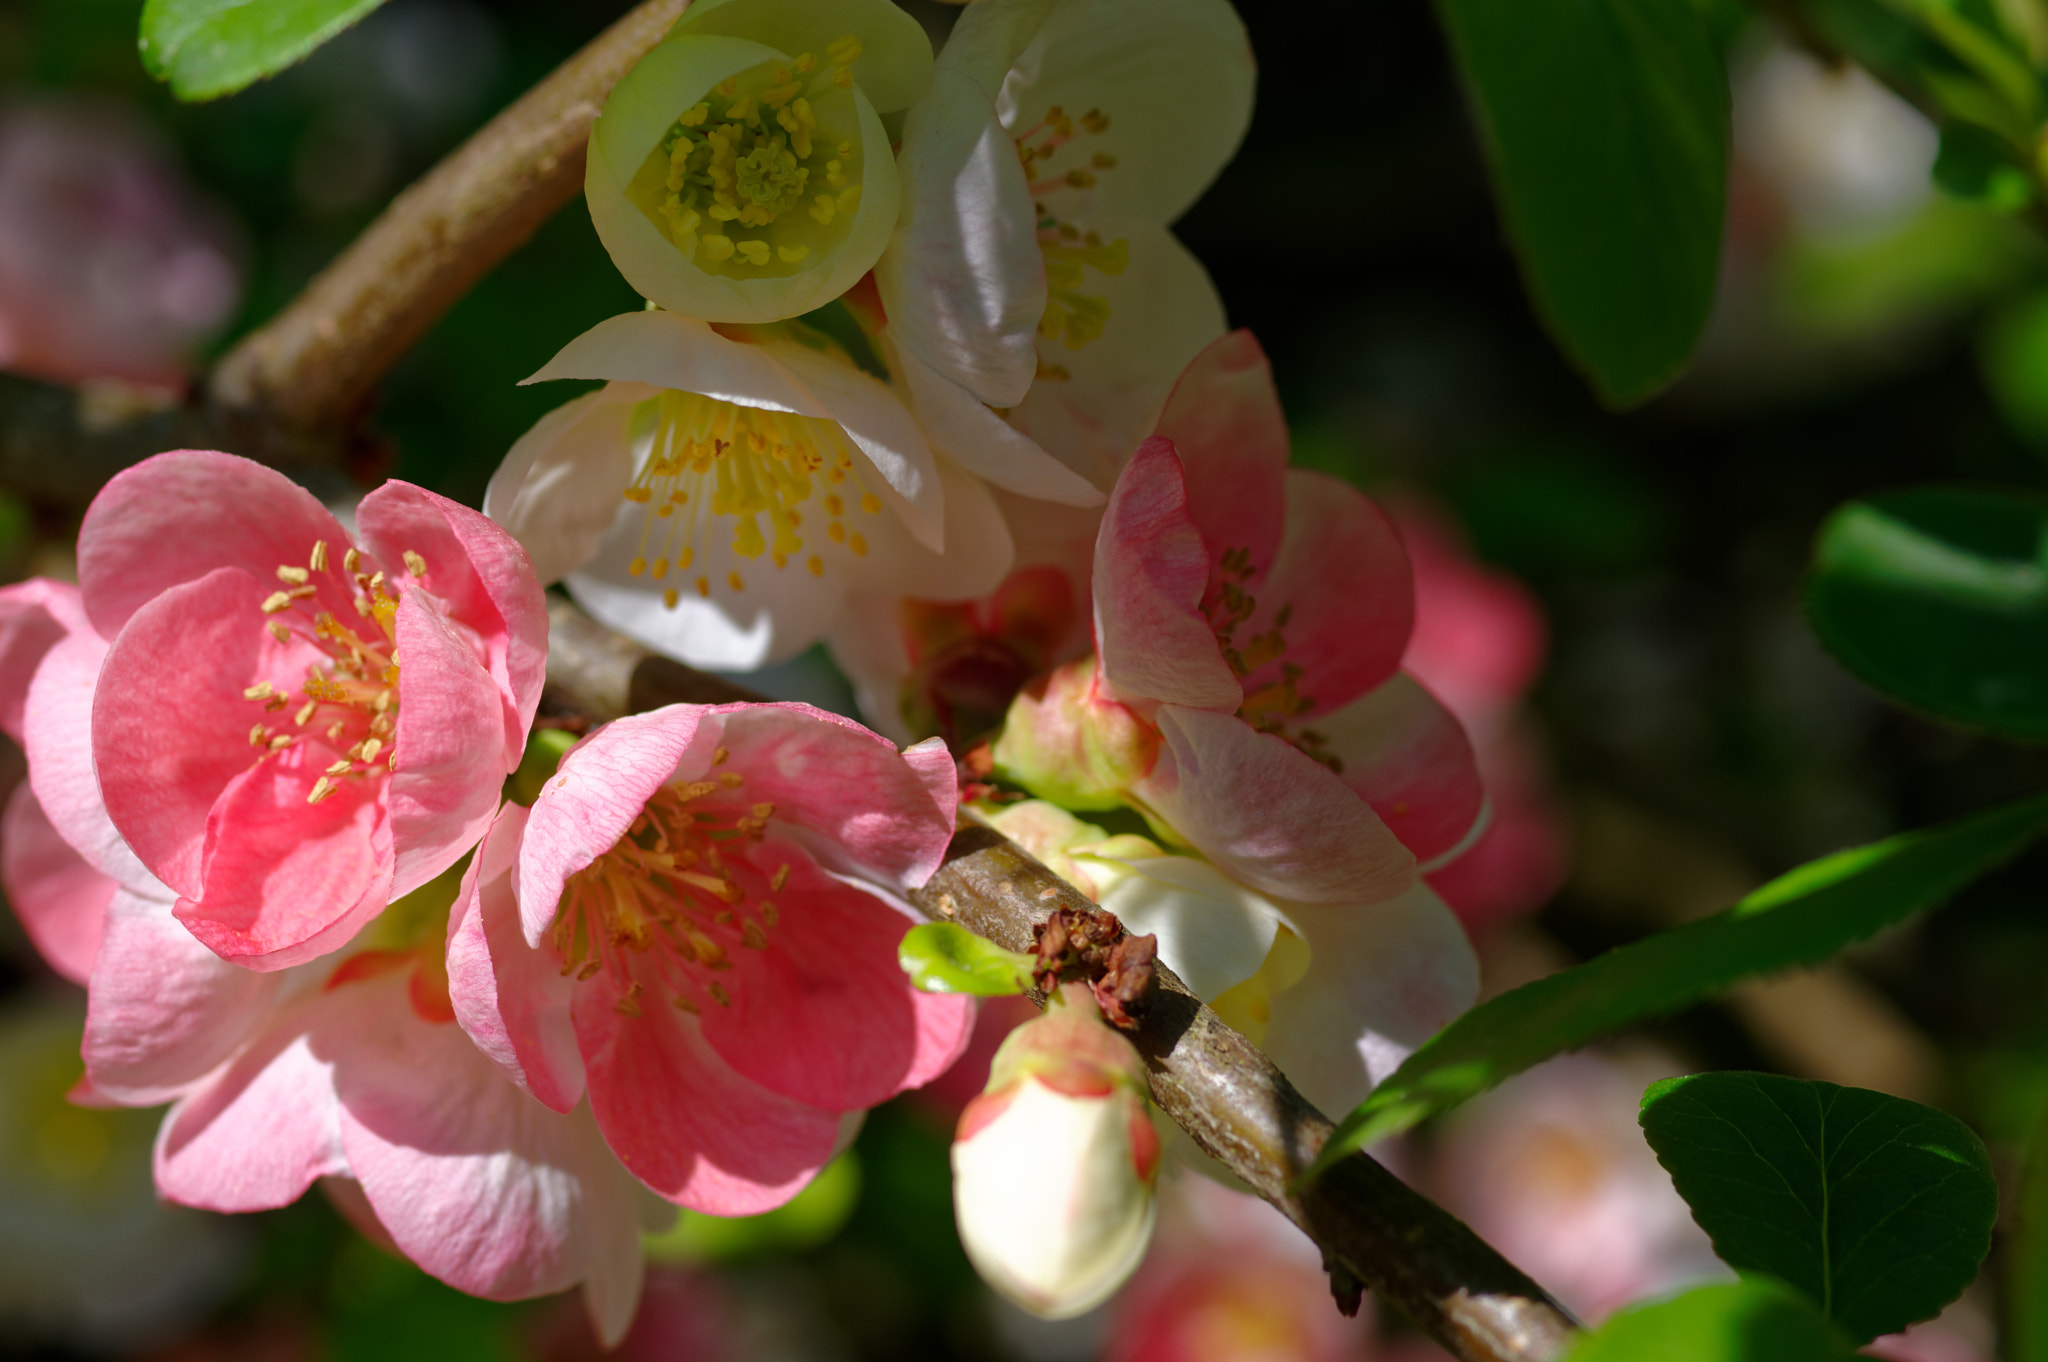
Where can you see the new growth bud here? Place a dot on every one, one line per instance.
(1054, 1164)
(1067, 743)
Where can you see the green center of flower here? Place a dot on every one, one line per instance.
(1072, 316)
(770, 473)
(764, 173)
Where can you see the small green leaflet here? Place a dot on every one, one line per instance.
(944, 957)
(1606, 124)
(1757, 1320)
(1799, 918)
(2027, 1254)
(1939, 596)
(210, 48)
(1877, 1209)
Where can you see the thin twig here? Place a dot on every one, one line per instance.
(313, 366)
(1374, 1230)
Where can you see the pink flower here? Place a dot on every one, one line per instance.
(289, 730)
(696, 924)
(1254, 617)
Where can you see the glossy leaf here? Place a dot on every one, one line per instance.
(1878, 1209)
(210, 48)
(944, 957)
(1606, 122)
(1938, 596)
(1758, 1320)
(1799, 918)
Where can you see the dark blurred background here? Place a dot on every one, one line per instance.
(1685, 737)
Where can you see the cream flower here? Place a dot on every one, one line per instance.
(740, 172)
(722, 494)
(1032, 267)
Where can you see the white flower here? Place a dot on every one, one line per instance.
(740, 172)
(1054, 1165)
(722, 494)
(1032, 269)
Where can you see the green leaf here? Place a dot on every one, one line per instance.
(1757, 1320)
(210, 48)
(1606, 123)
(944, 957)
(1877, 1208)
(1938, 596)
(2027, 1271)
(1800, 918)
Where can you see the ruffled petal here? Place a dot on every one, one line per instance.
(484, 582)
(823, 1013)
(1268, 815)
(1213, 932)
(175, 518)
(670, 350)
(558, 490)
(452, 757)
(982, 443)
(1408, 757)
(474, 1180)
(35, 616)
(895, 64)
(1224, 418)
(1162, 311)
(1382, 978)
(60, 899)
(684, 1122)
(1151, 569)
(510, 997)
(600, 787)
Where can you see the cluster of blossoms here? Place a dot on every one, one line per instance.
(924, 376)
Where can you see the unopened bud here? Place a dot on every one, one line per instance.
(1065, 742)
(1054, 1165)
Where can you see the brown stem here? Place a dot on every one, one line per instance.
(1373, 1229)
(313, 365)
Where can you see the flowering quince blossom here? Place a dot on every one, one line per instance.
(345, 715)
(1338, 994)
(1032, 269)
(724, 492)
(1054, 1164)
(696, 925)
(1246, 694)
(348, 1070)
(740, 171)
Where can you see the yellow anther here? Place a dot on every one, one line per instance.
(858, 544)
(719, 248)
(790, 255)
(718, 993)
(321, 789)
(262, 690)
(369, 748)
(670, 598)
(281, 741)
(816, 565)
(276, 601)
(703, 586)
(870, 503)
(279, 632)
(779, 878)
(637, 567)
(415, 564)
(731, 780)
(317, 560)
(294, 575)
(351, 561)
(753, 252)
(735, 581)
(257, 735)
(339, 768)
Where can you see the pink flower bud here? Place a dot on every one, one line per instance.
(1054, 1165)
(1067, 742)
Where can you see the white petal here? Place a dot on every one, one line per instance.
(896, 57)
(668, 350)
(1163, 312)
(981, 442)
(558, 490)
(1213, 932)
(1382, 978)
(1174, 78)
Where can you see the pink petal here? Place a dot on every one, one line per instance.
(824, 1014)
(593, 798)
(684, 1122)
(163, 1011)
(179, 516)
(256, 1135)
(61, 900)
(1408, 757)
(867, 809)
(510, 997)
(287, 880)
(482, 578)
(1152, 567)
(60, 766)
(34, 617)
(449, 769)
(170, 725)
(1382, 978)
(1342, 578)
(1521, 857)
(1268, 815)
(1225, 419)
(474, 1180)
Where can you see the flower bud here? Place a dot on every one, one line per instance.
(1054, 1165)
(1065, 742)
